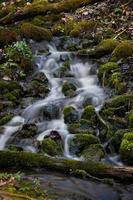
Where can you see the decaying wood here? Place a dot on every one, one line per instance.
(27, 160)
(50, 8)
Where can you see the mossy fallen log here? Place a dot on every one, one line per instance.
(43, 9)
(27, 160)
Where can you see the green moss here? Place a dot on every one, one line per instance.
(107, 69)
(71, 115)
(105, 47)
(82, 141)
(68, 89)
(116, 82)
(123, 50)
(35, 32)
(51, 147)
(93, 152)
(88, 113)
(7, 36)
(8, 86)
(81, 27)
(121, 100)
(126, 148)
(28, 160)
(4, 118)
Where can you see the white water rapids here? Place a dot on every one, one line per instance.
(87, 83)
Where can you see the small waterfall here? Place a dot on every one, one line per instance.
(87, 84)
(12, 127)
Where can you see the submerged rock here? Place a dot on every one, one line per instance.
(50, 112)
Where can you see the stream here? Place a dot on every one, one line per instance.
(84, 76)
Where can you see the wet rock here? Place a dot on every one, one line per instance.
(87, 101)
(41, 77)
(71, 115)
(82, 141)
(64, 57)
(35, 88)
(27, 131)
(55, 135)
(68, 89)
(50, 111)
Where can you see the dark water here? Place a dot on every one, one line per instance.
(61, 187)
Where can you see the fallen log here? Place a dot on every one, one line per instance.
(43, 9)
(28, 160)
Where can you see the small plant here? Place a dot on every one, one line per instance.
(19, 47)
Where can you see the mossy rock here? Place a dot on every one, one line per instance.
(117, 138)
(68, 89)
(37, 89)
(116, 82)
(123, 50)
(52, 147)
(71, 115)
(126, 148)
(89, 113)
(4, 118)
(7, 36)
(93, 152)
(105, 47)
(121, 100)
(82, 141)
(82, 127)
(82, 26)
(35, 32)
(107, 69)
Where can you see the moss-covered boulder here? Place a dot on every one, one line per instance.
(117, 138)
(68, 89)
(105, 47)
(52, 147)
(89, 113)
(7, 36)
(71, 115)
(124, 101)
(123, 50)
(126, 148)
(82, 141)
(34, 32)
(93, 152)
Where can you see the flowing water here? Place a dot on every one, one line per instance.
(84, 76)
